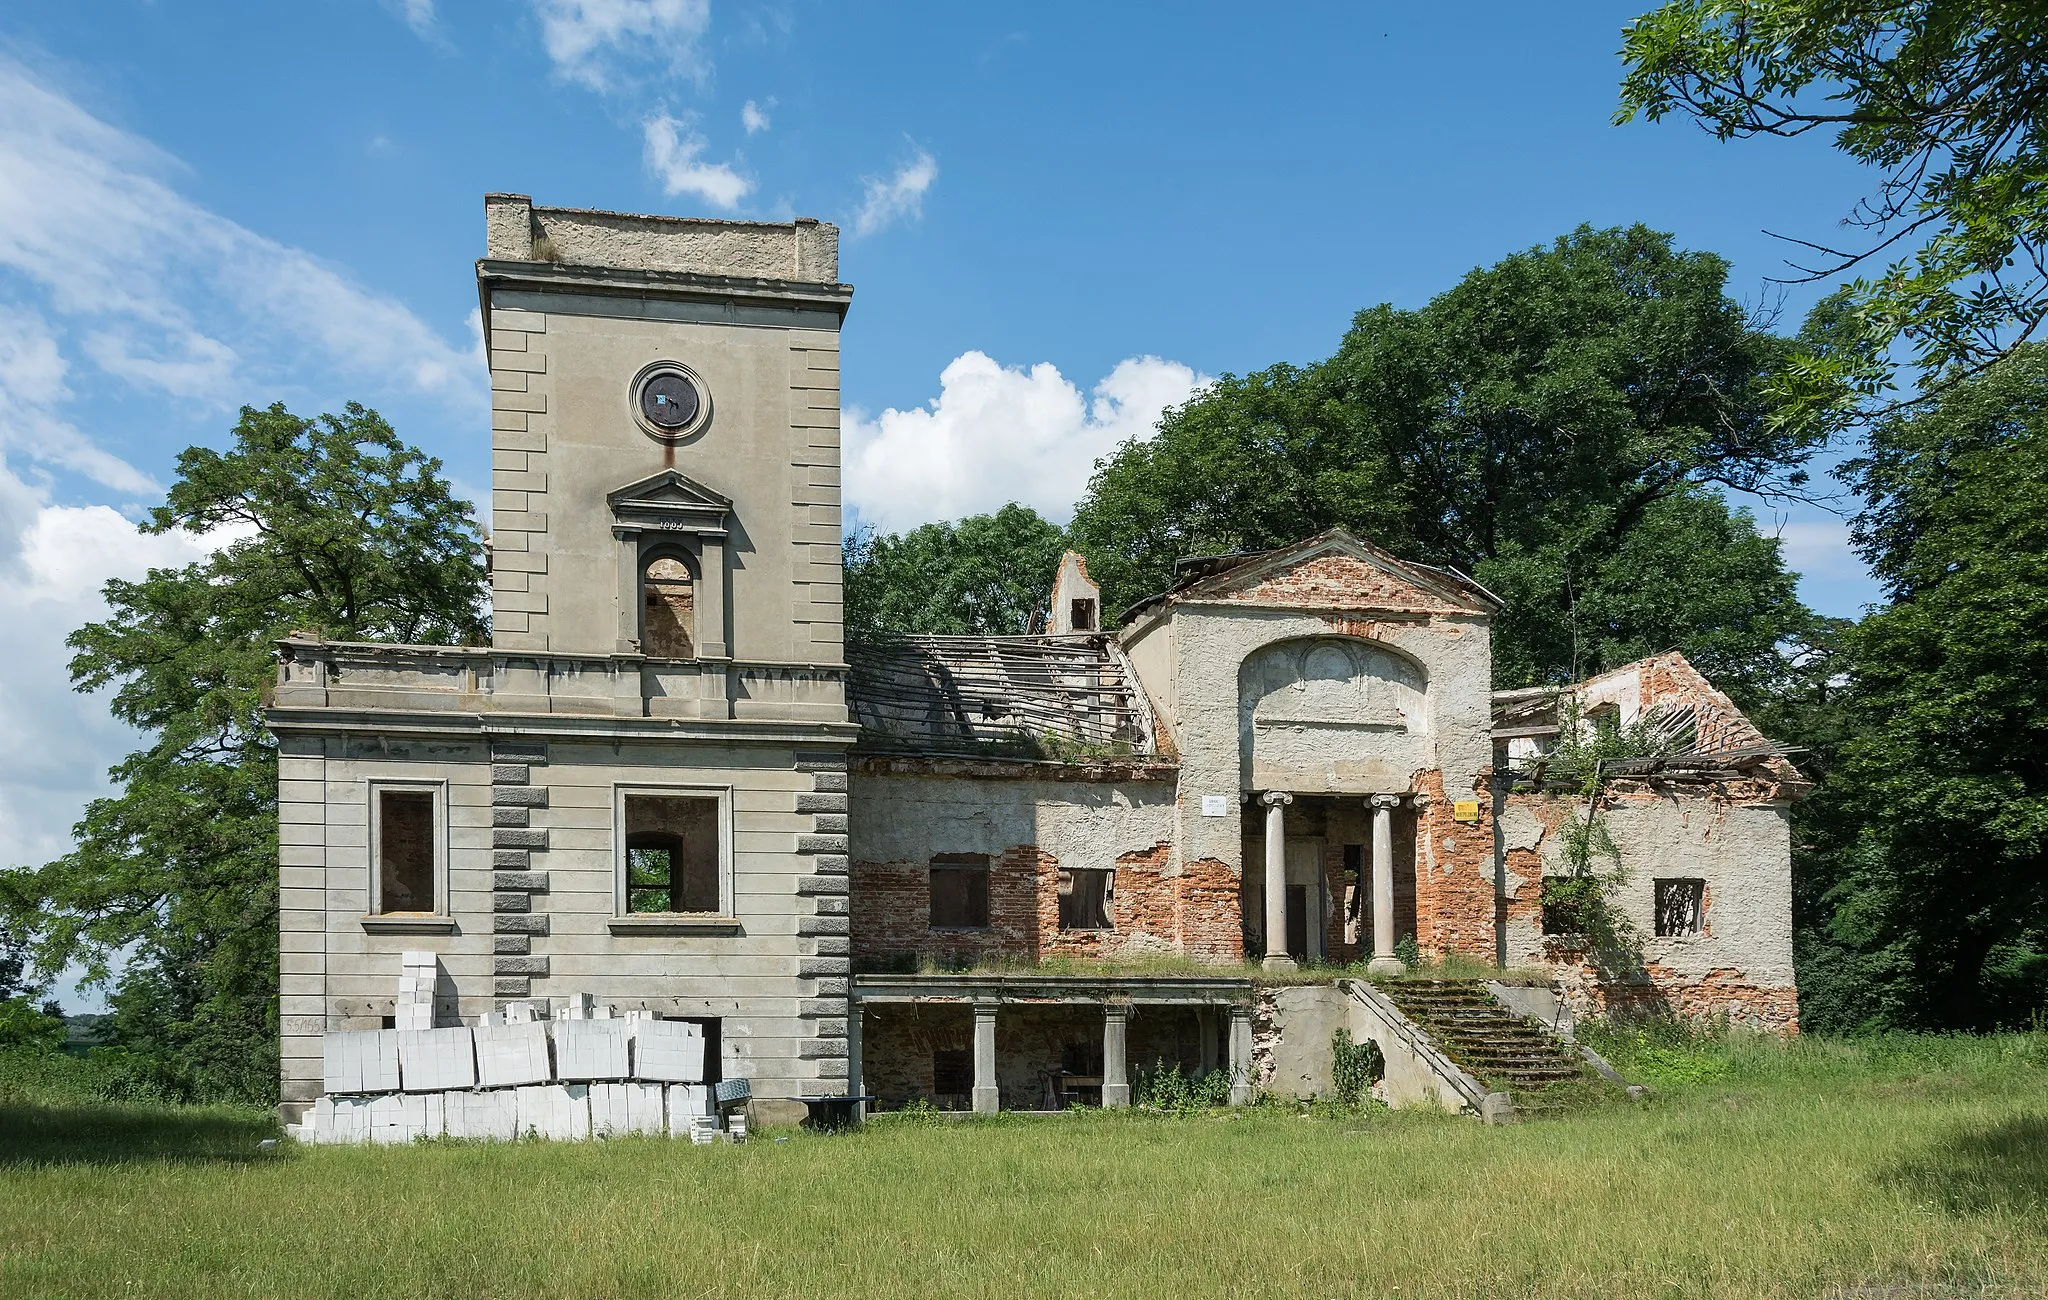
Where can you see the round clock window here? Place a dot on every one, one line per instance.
(669, 400)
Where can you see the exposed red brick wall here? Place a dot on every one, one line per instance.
(1341, 582)
(1724, 993)
(1211, 911)
(1195, 911)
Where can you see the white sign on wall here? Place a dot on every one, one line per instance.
(1215, 805)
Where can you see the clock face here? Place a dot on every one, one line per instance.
(669, 401)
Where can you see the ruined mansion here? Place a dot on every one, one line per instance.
(990, 871)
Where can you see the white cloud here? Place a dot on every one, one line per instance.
(674, 156)
(754, 116)
(889, 199)
(417, 14)
(1819, 548)
(598, 43)
(1001, 433)
(173, 297)
(58, 744)
(121, 297)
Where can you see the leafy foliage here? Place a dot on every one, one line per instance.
(1556, 425)
(1933, 874)
(1355, 1067)
(986, 575)
(1167, 1087)
(331, 525)
(1946, 99)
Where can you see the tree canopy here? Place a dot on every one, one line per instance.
(1555, 425)
(1945, 99)
(1933, 889)
(985, 574)
(331, 525)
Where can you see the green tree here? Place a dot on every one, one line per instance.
(331, 525)
(1945, 99)
(986, 574)
(1556, 425)
(1936, 896)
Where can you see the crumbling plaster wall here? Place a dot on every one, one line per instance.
(1740, 965)
(1031, 827)
(1213, 639)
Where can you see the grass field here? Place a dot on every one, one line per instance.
(1907, 1167)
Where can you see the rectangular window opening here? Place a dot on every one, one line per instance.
(1083, 615)
(405, 851)
(1681, 907)
(1087, 899)
(672, 853)
(1566, 903)
(952, 1072)
(960, 891)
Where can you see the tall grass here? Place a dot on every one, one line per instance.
(1794, 1171)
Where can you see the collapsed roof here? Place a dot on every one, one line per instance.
(1027, 696)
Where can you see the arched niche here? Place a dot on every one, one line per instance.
(1332, 713)
(668, 604)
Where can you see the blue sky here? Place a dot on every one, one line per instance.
(1058, 218)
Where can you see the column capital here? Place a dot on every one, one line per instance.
(1419, 801)
(1276, 798)
(1116, 1010)
(1384, 801)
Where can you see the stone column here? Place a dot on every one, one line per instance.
(630, 594)
(711, 599)
(987, 1098)
(1116, 1084)
(1384, 962)
(855, 1013)
(1240, 1055)
(1276, 802)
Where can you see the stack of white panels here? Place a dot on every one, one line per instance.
(418, 974)
(510, 1055)
(436, 1060)
(482, 1116)
(557, 1111)
(360, 1060)
(668, 1051)
(591, 1050)
(689, 1105)
(617, 1109)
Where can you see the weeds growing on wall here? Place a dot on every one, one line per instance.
(1168, 1088)
(1577, 901)
(1355, 1067)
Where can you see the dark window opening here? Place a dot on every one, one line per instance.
(1087, 899)
(1084, 1059)
(1083, 615)
(952, 1072)
(960, 891)
(672, 853)
(1568, 903)
(1681, 907)
(405, 851)
(1297, 922)
(668, 621)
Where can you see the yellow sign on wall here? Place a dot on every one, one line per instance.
(1465, 810)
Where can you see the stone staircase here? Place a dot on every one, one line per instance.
(1504, 1051)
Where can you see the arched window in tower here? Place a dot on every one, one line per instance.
(668, 611)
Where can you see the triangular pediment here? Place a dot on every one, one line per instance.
(670, 500)
(1335, 570)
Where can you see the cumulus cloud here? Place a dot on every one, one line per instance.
(118, 294)
(754, 117)
(173, 297)
(606, 44)
(1002, 433)
(892, 198)
(675, 157)
(58, 745)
